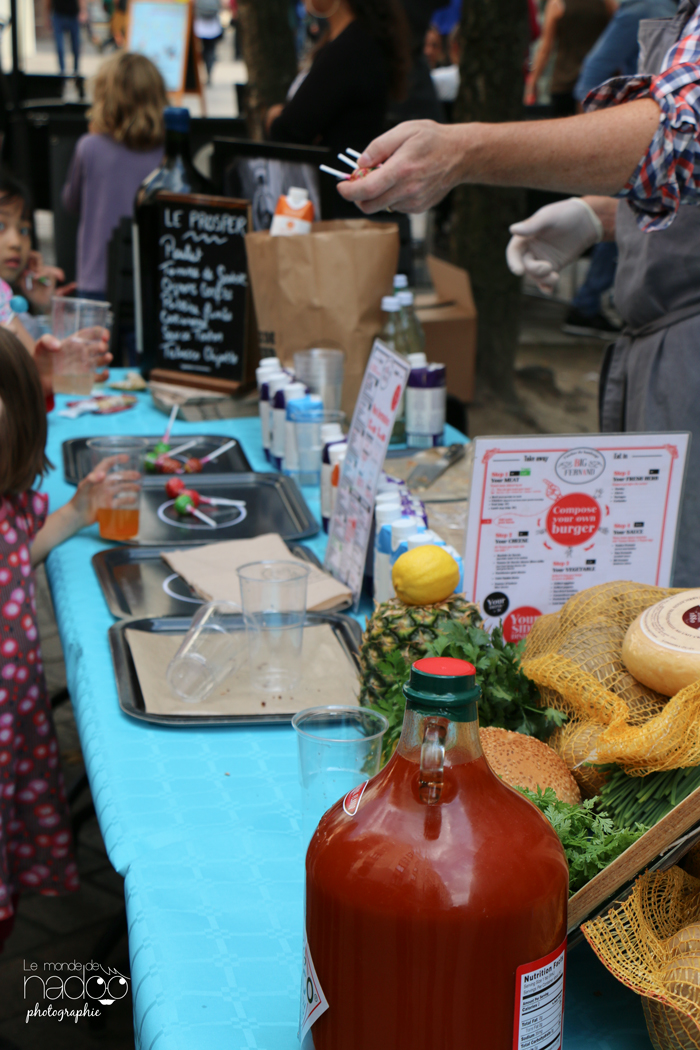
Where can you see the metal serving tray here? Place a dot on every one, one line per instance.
(137, 582)
(346, 630)
(265, 503)
(77, 464)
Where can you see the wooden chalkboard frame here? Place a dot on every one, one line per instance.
(204, 382)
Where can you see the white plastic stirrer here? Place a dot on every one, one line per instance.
(174, 411)
(219, 451)
(333, 172)
(202, 517)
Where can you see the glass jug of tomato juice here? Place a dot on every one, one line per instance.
(436, 896)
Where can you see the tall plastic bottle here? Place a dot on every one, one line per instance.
(268, 388)
(415, 336)
(426, 406)
(266, 366)
(330, 456)
(176, 174)
(394, 336)
(436, 896)
(304, 409)
(283, 396)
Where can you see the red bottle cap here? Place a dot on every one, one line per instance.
(445, 665)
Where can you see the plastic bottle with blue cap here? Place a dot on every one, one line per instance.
(302, 439)
(283, 396)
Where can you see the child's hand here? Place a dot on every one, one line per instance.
(39, 283)
(99, 489)
(93, 347)
(102, 489)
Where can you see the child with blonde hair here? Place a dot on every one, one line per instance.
(123, 146)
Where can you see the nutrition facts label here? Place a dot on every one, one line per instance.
(372, 422)
(539, 1003)
(552, 515)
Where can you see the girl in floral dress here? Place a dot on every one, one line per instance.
(35, 838)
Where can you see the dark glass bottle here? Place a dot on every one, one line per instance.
(176, 174)
(436, 896)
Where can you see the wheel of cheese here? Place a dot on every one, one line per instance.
(662, 647)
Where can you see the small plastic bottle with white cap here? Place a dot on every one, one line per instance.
(283, 396)
(330, 456)
(336, 471)
(269, 386)
(385, 514)
(267, 365)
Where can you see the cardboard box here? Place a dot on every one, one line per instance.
(448, 316)
(660, 847)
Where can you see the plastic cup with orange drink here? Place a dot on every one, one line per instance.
(121, 457)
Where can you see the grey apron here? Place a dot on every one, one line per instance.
(651, 376)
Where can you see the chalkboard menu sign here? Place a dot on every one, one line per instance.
(194, 287)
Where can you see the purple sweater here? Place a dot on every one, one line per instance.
(101, 185)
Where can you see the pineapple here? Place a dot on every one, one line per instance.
(406, 628)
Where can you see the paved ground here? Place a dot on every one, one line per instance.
(219, 97)
(68, 928)
(556, 379)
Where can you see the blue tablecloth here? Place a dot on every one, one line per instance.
(205, 826)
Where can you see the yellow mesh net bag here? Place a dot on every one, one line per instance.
(651, 943)
(575, 657)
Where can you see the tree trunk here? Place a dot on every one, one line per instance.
(268, 48)
(494, 37)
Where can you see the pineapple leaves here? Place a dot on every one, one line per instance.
(509, 700)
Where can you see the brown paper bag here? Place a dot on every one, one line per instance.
(323, 289)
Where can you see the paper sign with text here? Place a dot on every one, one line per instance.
(368, 440)
(552, 515)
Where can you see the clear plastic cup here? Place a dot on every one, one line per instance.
(73, 365)
(309, 438)
(120, 495)
(339, 749)
(322, 371)
(273, 597)
(208, 653)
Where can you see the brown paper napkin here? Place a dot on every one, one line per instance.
(211, 571)
(328, 677)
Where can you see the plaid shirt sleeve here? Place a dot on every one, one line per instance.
(669, 173)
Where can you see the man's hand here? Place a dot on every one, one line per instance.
(549, 240)
(419, 165)
(421, 161)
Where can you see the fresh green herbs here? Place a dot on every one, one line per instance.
(590, 838)
(647, 799)
(508, 698)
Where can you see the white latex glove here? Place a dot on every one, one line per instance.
(554, 236)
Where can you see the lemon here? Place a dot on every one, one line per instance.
(425, 575)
